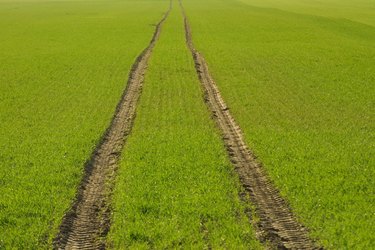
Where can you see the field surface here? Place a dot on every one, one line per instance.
(181, 191)
(63, 69)
(343, 11)
(298, 77)
(302, 89)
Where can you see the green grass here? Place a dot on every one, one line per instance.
(355, 10)
(302, 89)
(174, 174)
(299, 79)
(63, 68)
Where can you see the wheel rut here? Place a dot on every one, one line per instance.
(87, 223)
(278, 228)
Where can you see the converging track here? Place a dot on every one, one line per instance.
(87, 222)
(277, 225)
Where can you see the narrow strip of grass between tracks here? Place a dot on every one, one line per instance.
(87, 223)
(277, 225)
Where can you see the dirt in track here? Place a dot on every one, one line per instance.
(277, 226)
(87, 222)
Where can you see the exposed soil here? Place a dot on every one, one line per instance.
(87, 223)
(277, 226)
(205, 233)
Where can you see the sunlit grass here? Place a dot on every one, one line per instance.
(302, 89)
(63, 67)
(176, 187)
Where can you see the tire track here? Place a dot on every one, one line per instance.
(277, 226)
(87, 223)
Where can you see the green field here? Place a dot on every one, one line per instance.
(181, 190)
(298, 77)
(302, 88)
(361, 11)
(63, 68)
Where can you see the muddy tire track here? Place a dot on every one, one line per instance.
(87, 223)
(278, 228)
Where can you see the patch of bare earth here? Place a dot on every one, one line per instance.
(87, 223)
(278, 228)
